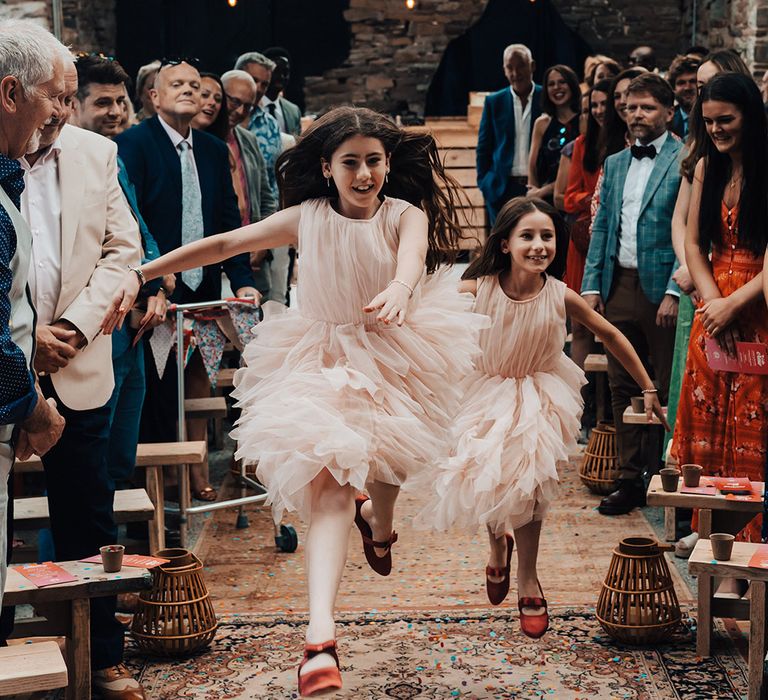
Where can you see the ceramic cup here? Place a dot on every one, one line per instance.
(112, 557)
(638, 404)
(691, 475)
(669, 478)
(722, 545)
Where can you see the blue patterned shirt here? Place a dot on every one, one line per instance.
(267, 131)
(18, 396)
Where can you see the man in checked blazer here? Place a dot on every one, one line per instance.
(628, 273)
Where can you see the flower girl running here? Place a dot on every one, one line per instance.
(351, 391)
(521, 408)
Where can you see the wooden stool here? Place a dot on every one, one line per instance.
(703, 565)
(31, 668)
(599, 365)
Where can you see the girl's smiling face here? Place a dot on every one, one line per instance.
(532, 243)
(724, 122)
(358, 168)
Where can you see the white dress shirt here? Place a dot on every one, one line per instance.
(522, 134)
(176, 139)
(41, 207)
(264, 104)
(634, 188)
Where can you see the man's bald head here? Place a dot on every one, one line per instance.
(176, 94)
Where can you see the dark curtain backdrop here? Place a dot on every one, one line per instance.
(314, 32)
(473, 61)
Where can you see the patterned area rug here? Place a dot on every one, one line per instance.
(480, 655)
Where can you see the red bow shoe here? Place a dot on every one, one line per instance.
(498, 591)
(321, 681)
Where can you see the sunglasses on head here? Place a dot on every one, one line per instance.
(93, 54)
(176, 60)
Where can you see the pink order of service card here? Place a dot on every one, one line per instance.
(45, 574)
(751, 358)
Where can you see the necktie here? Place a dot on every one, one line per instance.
(641, 152)
(272, 109)
(191, 212)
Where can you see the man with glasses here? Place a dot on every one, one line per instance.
(184, 192)
(250, 176)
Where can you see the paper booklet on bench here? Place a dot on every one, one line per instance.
(733, 485)
(751, 358)
(135, 560)
(45, 574)
(759, 559)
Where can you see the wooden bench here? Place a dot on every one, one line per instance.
(226, 379)
(31, 668)
(206, 407)
(131, 505)
(152, 456)
(703, 565)
(67, 611)
(598, 363)
(716, 513)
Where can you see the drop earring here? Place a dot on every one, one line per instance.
(386, 177)
(328, 182)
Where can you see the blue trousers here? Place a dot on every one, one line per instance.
(125, 406)
(80, 502)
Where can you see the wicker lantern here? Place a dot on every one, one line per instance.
(638, 603)
(600, 467)
(176, 616)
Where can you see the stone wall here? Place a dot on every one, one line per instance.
(39, 10)
(395, 51)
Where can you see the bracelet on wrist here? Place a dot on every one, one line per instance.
(404, 284)
(139, 274)
(164, 291)
(650, 391)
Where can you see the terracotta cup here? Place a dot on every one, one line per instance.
(112, 557)
(722, 545)
(638, 404)
(691, 475)
(669, 479)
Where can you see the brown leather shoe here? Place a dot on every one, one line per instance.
(116, 683)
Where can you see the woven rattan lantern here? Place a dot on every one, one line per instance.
(638, 603)
(600, 467)
(176, 616)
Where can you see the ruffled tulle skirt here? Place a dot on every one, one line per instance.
(366, 402)
(510, 437)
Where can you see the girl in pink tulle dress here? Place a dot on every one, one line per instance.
(354, 391)
(521, 407)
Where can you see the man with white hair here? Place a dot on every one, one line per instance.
(31, 83)
(256, 199)
(504, 137)
(267, 130)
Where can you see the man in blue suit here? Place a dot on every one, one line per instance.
(504, 138)
(184, 192)
(628, 273)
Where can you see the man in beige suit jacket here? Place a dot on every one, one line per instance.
(84, 237)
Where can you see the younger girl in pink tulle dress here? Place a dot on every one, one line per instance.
(521, 407)
(351, 391)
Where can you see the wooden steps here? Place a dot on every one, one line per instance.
(208, 407)
(31, 668)
(131, 505)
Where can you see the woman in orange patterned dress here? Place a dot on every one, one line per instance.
(721, 419)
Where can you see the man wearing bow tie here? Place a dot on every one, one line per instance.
(628, 273)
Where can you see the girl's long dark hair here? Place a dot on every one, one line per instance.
(220, 126)
(741, 92)
(727, 61)
(491, 261)
(547, 105)
(613, 137)
(416, 173)
(592, 136)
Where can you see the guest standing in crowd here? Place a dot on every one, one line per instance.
(288, 114)
(682, 78)
(83, 239)
(184, 191)
(267, 131)
(642, 57)
(31, 84)
(211, 117)
(557, 125)
(582, 179)
(101, 94)
(504, 137)
(721, 61)
(721, 419)
(145, 81)
(628, 273)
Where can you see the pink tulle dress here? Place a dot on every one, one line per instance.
(327, 386)
(519, 417)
